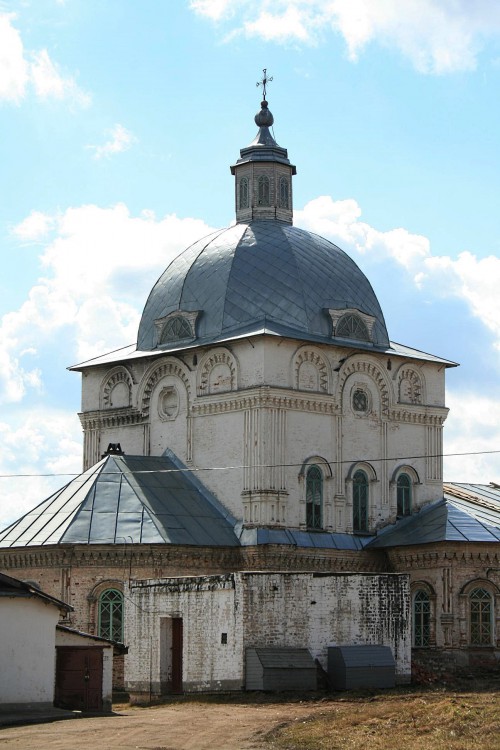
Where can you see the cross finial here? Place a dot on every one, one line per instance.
(264, 82)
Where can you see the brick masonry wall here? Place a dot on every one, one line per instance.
(259, 609)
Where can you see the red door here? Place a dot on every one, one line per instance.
(79, 678)
(177, 654)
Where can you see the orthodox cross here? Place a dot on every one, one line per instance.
(264, 82)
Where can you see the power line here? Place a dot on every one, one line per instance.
(192, 470)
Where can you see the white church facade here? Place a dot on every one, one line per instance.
(270, 451)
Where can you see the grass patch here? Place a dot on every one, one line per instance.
(398, 721)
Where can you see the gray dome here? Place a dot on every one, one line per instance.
(258, 277)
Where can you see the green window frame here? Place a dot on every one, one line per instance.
(404, 486)
(314, 498)
(360, 501)
(111, 615)
(481, 617)
(421, 619)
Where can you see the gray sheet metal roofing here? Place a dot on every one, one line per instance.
(127, 499)
(467, 513)
(248, 276)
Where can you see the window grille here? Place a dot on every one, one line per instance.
(360, 400)
(244, 192)
(352, 327)
(284, 193)
(404, 495)
(314, 498)
(263, 191)
(421, 618)
(175, 329)
(480, 617)
(360, 501)
(111, 615)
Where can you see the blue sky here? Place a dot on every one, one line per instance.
(118, 123)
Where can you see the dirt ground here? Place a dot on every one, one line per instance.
(175, 726)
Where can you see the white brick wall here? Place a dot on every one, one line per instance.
(260, 609)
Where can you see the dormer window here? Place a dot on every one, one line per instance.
(178, 326)
(352, 324)
(176, 329)
(263, 190)
(244, 192)
(352, 327)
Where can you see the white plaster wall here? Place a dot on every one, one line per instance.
(27, 650)
(209, 430)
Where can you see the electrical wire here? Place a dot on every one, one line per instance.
(241, 467)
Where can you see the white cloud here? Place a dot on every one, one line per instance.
(339, 220)
(120, 140)
(34, 227)
(13, 66)
(20, 69)
(468, 278)
(49, 83)
(42, 442)
(437, 36)
(473, 428)
(98, 269)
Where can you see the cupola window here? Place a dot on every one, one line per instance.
(263, 190)
(284, 193)
(244, 192)
(351, 326)
(176, 329)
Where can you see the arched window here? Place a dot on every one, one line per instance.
(263, 190)
(480, 614)
(284, 197)
(111, 615)
(314, 498)
(175, 329)
(421, 618)
(404, 495)
(352, 327)
(360, 501)
(244, 192)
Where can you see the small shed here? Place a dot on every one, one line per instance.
(353, 667)
(84, 670)
(280, 669)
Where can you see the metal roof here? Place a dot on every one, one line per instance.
(264, 273)
(10, 587)
(127, 499)
(467, 513)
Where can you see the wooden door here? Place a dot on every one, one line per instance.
(79, 678)
(177, 654)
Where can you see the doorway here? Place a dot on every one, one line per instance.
(171, 655)
(79, 678)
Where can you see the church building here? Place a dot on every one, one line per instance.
(264, 468)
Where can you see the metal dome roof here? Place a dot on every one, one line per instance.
(258, 276)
